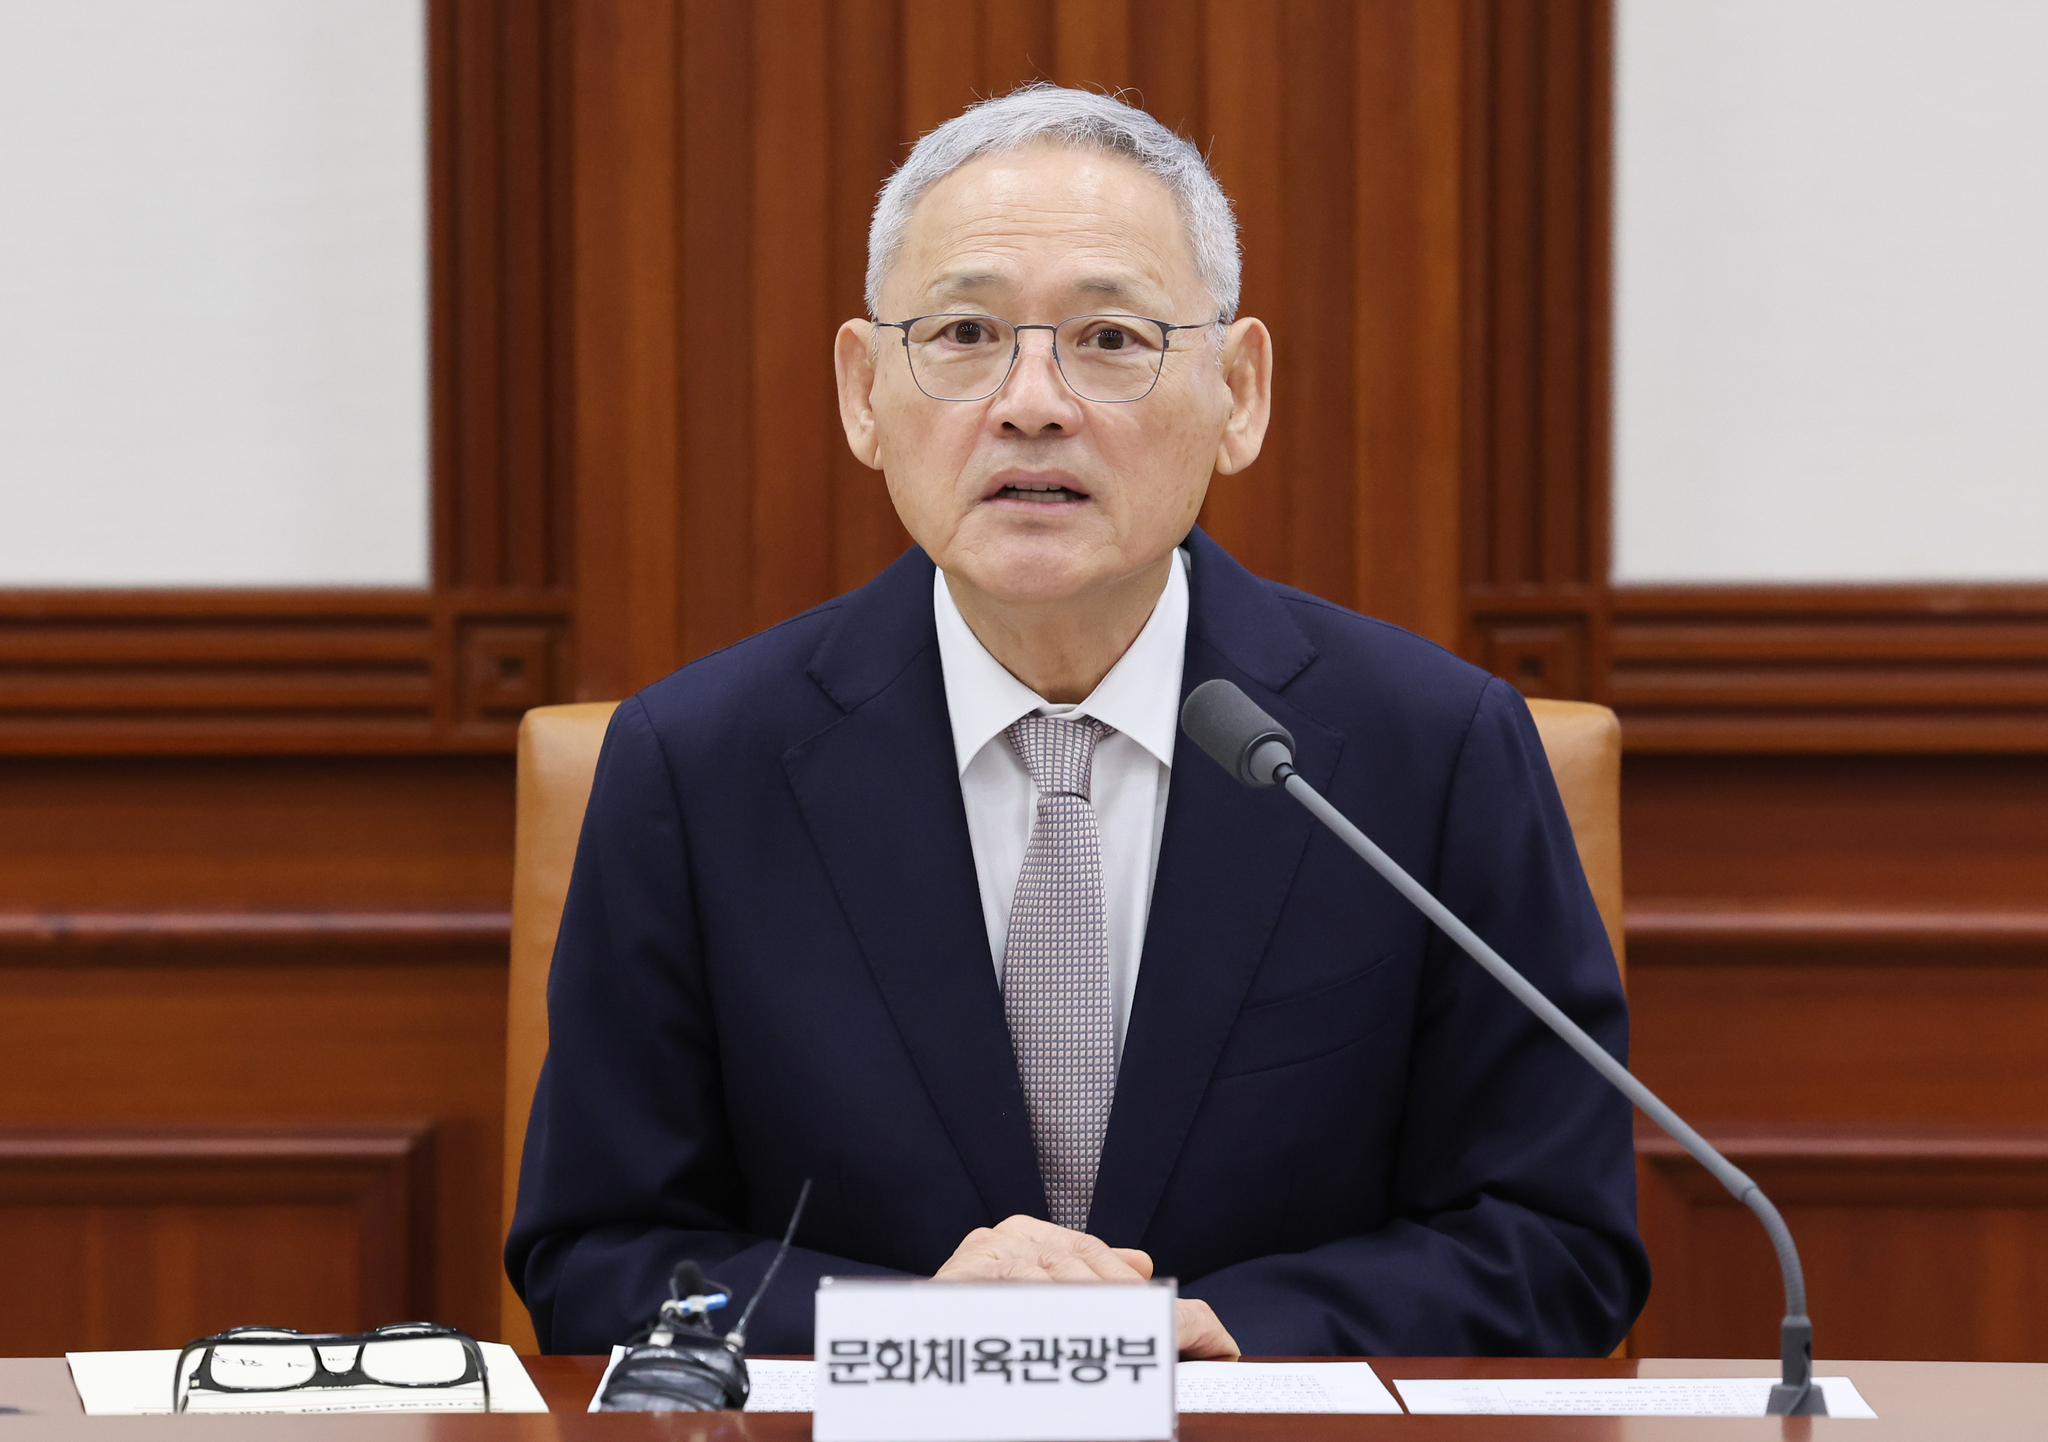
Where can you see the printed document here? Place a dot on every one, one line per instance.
(1614, 1396)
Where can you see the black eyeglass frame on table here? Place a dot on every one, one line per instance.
(202, 1379)
(1166, 330)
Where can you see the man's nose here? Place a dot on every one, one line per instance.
(1035, 400)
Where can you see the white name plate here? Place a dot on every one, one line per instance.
(904, 1360)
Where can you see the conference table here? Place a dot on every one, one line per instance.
(1946, 1400)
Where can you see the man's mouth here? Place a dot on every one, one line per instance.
(1039, 493)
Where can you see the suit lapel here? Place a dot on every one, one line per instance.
(880, 792)
(1226, 863)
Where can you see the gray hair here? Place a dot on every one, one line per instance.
(1049, 113)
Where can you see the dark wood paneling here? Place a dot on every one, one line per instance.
(288, 942)
(1866, 832)
(867, 137)
(1847, 1034)
(623, 59)
(1407, 395)
(724, 160)
(268, 672)
(150, 1236)
(1832, 669)
(1928, 1242)
(1820, 945)
(294, 834)
(302, 936)
(502, 508)
(1535, 187)
(1706, 935)
(301, 1039)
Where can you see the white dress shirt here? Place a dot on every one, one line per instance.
(1140, 697)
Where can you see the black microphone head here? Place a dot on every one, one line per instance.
(687, 1280)
(1242, 739)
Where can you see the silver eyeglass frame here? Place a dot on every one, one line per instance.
(1166, 330)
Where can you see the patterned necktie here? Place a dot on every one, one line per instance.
(1056, 966)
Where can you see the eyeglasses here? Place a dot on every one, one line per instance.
(1112, 358)
(250, 1360)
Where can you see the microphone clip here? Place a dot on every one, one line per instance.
(679, 1364)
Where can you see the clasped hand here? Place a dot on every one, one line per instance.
(1025, 1249)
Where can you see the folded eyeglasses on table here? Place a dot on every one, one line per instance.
(254, 1361)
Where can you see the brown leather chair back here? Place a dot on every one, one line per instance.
(558, 748)
(1583, 742)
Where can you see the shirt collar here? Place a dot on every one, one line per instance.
(1139, 697)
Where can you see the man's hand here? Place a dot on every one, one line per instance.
(1025, 1249)
(1200, 1333)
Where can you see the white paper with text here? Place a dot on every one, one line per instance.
(1614, 1396)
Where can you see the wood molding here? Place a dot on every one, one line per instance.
(1923, 1241)
(1732, 934)
(270, 672)
(499, 169)
(105, 1203)
(129, 937)
(1535, 479)
(1832, 668)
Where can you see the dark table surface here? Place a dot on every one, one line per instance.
(1945, 1400)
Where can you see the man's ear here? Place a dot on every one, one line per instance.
(853, 362)
(1248, 370)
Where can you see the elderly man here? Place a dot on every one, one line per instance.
(919, 895)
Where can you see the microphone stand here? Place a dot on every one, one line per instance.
(1262, 754)
(1795, 1395)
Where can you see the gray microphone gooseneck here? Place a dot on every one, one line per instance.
(1257, 751)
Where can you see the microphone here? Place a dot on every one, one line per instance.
(1257, 751)
(679, 1364)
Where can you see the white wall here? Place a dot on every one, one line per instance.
(213, 292)
(1831, 290)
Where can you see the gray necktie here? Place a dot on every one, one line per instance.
(1056, 966)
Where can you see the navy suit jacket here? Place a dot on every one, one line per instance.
(1328, 1122)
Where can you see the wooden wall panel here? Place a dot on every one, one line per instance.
(1833, 669)
(1774, 1036)
(623, 354)
(1418, 185)
(1535, 536)
(298, 944)
(1300, 289)
(1866, 833)
(1918, 1243)
(502, 513)
(354, 1036)
(264, 835)
(275, 672)
(1820, 948)
(790, 310)
(867, 131)
(1407, 394)
(120, 1238)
